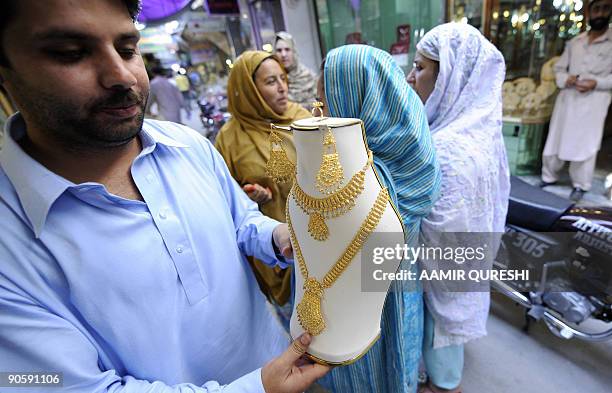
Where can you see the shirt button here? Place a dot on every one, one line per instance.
(150, 178)
(163, 215)
(179, 249)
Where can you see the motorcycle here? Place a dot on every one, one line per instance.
(212, 118)
(568, 251)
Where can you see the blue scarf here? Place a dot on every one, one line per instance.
(365, 83)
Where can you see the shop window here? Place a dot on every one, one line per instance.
(530, 34)
(394, 26)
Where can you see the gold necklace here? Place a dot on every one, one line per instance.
(309, 309)
(334, 205)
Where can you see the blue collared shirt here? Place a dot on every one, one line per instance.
(131, 296)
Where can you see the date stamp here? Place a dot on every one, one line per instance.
(24, 379)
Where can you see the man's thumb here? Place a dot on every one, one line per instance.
(297, 348)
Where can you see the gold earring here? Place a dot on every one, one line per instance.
(331, 174)
(279, 167)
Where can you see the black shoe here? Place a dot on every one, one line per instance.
(543, 183)
(576, 194)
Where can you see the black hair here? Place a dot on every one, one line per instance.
(9, 9)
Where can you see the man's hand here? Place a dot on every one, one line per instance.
(258, 193)
(571, 80)
(290, 372)
(280, 235)
(585, 85)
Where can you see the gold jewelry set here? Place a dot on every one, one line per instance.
(338, 201)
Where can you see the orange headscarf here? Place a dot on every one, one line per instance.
(246, 104)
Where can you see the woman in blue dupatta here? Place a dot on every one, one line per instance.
(364, 82)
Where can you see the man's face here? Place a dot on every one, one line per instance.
(599, 14)
(75, 71)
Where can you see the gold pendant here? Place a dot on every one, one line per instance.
(317, 227)
(309, 310)
(331, 206)
(331, 174)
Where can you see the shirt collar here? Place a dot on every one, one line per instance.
(151, 135)
(607, 36)
(37, 187)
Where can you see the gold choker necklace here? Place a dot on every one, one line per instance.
(335, 205)
(309, 310)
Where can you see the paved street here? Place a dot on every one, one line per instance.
(510, 361)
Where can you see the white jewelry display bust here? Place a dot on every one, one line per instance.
(352, 316)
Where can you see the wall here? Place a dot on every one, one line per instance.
(301, 23)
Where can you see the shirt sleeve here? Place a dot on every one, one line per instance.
(35, 339)
(561, 67)
(253, 229)
(603, 82)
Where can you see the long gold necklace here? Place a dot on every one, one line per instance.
(309, 310)
(335, 205)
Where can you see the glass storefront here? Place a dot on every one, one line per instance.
(531, 34)
(392, 25)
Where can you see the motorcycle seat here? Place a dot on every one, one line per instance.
(533, 208)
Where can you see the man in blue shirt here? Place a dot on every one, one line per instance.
(122, 243)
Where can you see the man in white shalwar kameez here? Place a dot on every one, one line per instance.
(584, 75)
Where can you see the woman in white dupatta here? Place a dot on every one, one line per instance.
(459, 74)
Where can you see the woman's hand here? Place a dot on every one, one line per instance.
(258, 193)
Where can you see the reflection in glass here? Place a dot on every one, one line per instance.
(531, 34)
(466, 11)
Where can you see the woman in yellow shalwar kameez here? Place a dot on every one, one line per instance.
(257, 95)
